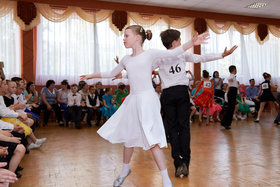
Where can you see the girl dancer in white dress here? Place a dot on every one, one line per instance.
(138, 123)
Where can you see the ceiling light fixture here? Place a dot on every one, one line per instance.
(256, 5)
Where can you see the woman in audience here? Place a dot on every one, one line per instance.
(266, 96)
(31, 94)
(48, 102)
(81, 85)
(218, 82)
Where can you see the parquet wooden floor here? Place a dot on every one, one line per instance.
(246, 156)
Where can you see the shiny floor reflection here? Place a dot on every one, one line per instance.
(248, 155)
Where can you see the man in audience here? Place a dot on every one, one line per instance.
(252, 93)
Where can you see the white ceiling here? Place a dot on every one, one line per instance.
(272, 10)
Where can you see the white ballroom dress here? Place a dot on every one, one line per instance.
(137, 122)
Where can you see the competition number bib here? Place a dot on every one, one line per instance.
(265, 86)
(207, 85)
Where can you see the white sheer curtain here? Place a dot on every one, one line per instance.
(65, 50)
(250, 58)
(74, 47)
(10, 46)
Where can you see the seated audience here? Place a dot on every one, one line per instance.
(108, 109)
(62, 95)
(74, 110)
(48, 102)
(252, 94)
(93, 106)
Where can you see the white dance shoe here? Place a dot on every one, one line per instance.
(120, 180)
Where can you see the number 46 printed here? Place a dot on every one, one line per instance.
(173, 70)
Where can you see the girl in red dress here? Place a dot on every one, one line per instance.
(205, 99)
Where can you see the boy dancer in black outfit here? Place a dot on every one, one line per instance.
(176, 101)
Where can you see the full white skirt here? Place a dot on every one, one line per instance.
(137, 122)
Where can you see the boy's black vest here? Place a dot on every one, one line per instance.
(92, 101)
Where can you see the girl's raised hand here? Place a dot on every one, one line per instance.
(228, 52)
(116, 59)
(83, 77)
(200, 39)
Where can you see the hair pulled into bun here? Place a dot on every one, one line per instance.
(149, 34)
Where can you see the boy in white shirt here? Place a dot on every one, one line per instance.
(231, 97)
(176, 101)
(74, 110)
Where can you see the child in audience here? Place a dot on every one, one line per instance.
(63, 94)
(194, 89)
(93, 106)
(74, 110)
(243, 109)
(120, 94)
(108, 109)
(9, 102)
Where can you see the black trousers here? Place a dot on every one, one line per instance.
(47, 112)
(176, 103)
(11, 148)
(74, 113)
(257, 104)
(229, 110)
(22, 136)
(91, 112)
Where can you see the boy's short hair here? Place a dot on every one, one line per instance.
(16, 79)
(81, 84)
(91, 87)
(251, 80)
(231, 68)
(73, 85)
(168, 36)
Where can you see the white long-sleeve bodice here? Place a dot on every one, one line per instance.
(139, 68)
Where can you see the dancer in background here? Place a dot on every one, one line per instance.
(231, 98)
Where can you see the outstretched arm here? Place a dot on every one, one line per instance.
(197, 40)
(189, 57)
(110, 74)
